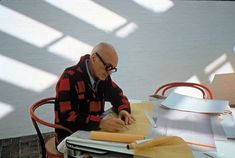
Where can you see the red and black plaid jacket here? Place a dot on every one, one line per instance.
(78, 106)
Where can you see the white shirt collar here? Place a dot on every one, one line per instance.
(89, 73)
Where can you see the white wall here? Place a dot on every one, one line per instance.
(190, 40)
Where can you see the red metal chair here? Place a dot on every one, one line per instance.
(48, 148)
(161, 91)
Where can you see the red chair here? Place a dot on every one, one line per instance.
(161, 91)
(48, 148)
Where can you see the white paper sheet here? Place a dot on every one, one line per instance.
(217, 128)
(187, 103)
(192, 127)
(228, 125)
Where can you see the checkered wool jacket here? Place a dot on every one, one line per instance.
(79, 106)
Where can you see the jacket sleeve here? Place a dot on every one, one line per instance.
(68, 105)
(114, 94)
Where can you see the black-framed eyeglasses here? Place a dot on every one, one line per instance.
(108, 67)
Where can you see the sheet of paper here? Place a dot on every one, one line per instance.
(192, 127)
(141, 125)
(187, 103)
(217, 128)
(228, 125)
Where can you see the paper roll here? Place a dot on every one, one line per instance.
(160, 141)
(115, 137)
(161, 147)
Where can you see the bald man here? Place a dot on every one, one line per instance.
(82, 91)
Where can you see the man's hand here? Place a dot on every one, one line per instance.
(126, 117)
(112, 124)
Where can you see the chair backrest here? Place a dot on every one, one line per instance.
(206, 92)
(35, 119)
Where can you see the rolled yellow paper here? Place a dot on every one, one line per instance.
(115, 137)
(160, 141)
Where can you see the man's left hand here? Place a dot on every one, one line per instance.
(126, 117)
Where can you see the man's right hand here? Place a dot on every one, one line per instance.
(112, 124)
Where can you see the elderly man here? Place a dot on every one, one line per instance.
(82, 91)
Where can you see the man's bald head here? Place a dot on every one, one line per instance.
(102, 55)
(107, 52)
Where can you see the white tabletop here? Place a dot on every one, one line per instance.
(225, 149)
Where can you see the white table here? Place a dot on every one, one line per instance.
(225, 149)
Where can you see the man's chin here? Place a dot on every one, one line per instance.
(99, 77)
(102, 78)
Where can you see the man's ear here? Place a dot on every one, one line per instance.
(93, 57)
